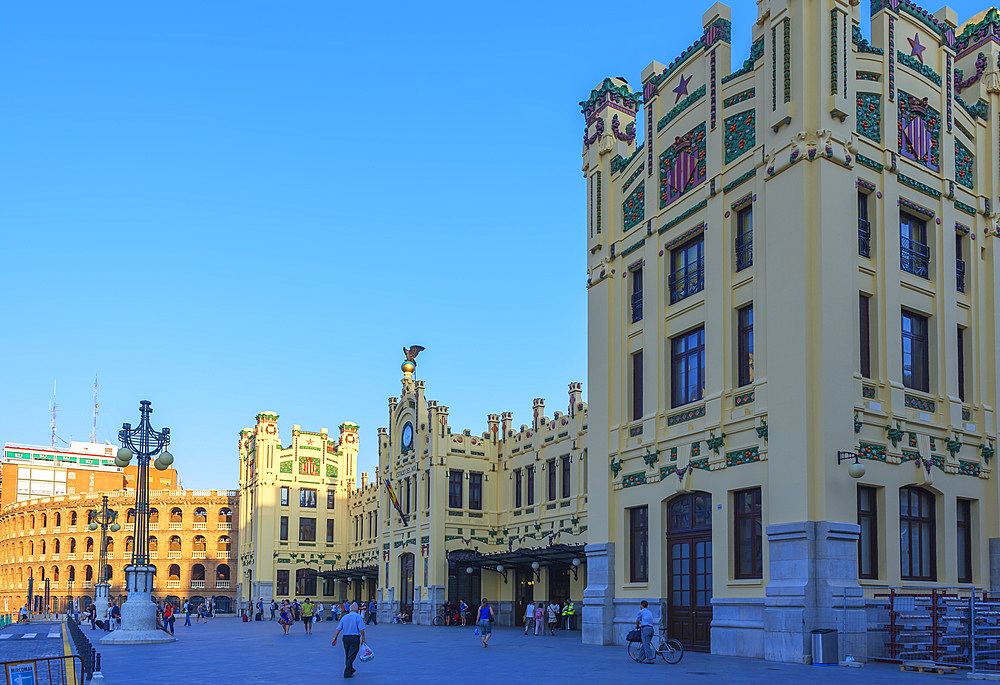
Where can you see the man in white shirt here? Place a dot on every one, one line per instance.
(644, 622)
(529, 617)
(353, 629)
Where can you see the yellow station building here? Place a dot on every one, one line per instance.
(798, 260)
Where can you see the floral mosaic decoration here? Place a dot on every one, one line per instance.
(964, 165)
(740, 134)
(634, 208)
(870, 116)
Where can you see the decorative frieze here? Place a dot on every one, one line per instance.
(739, 97)
(747, 456)
(756, 52)
(687, 415)
(680, 107)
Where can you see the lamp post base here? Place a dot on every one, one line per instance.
(138, 611)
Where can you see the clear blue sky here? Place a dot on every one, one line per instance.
(228, 207)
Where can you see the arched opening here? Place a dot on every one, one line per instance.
(198, 573)
(225, 515)
(129, 542)
(55, 546)
(90, 545)
(175, 543)
(153, 544)
(464, 586)
(199, 543)
(110, 544)
(223, 605)
(225, 543)
(107, 573)
(88, 573)
(174, 572)
(71, 573)
(45, 520)
(32, 521)
(41, 574)
(58, 519)
(20, 549)
(42, 547)
(176, 515)
(222, 572)
(688, 564)
(72, 518)
(31, 547)
(130, 516)
(72, 545)
(154, 515)
(406, 584)
(200, 515)
(55, 574)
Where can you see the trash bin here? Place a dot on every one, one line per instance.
(824, 646)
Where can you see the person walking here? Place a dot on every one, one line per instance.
(285, 619)
(187, 613)
(539, 619)
(463, 609)
(274, 608)
(485, 623)
(644, 622)
(307, 615)
(168, 617)
(373, 612)
(552, 610)
(116, 615)
(107, 617)
(529, 617)
(91, 612)
(353, 629)
(260, 609)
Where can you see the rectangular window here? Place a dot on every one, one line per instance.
(916, 352)
(427, 489)
(868, 540)
(917, 530)
(284, 496)
(281, 582)
(329, 587)
(551, 468)
(307, 498)
(407, 488)
(307, 529)
(864, 227)
(744, 344)
(638, 548)
(744, 238)
(914, 253)
(455, 489)
(959, 264)
(748, 554)
(283, 529)
(475, 490)
(517, 488)
(964, 523)
(687, 378)
(961, 363)
(637, 385)
(531, 485)
(330, 498)
(329, 530)
(864, 326)
(565, 476)
(688, 274)
(637, 294)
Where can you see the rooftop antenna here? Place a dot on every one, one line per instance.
(52, 425)
(93, 431)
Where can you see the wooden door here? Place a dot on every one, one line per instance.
(689, 570)
(406, 584)
(524, 590)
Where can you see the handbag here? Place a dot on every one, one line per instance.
(633, 635)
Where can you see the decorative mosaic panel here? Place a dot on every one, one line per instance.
(870, 116)
(309, 466)
(868, 450)
(747, 456)
(699, 464)
(634, 208)
(910, 455)
(918, 403)
(667, 471)
(331, 471)
(912, 439)
(968, 468)
(285, 467)
(696, 449)
(868, 391)
(913, 63)
(739, 97)
(634, 431)
(787, 60)
(962, 207)
(919, 131)
(964, 165)
(966, 415)
(682, 165)
(695, 413)
(745, 398)
(634, 479)
(741, 134)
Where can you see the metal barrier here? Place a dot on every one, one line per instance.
(84, 649)
(51, 670)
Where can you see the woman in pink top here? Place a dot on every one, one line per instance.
(539, 619)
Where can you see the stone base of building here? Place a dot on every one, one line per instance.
(624, 613)
(138, 611)
(598, 598)
(738, 627)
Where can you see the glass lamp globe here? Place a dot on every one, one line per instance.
(468, 569)
(92, 526)
(856, 470)
(115, 527)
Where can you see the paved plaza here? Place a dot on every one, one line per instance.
(228, 651)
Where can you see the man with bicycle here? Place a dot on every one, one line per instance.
(644, 622)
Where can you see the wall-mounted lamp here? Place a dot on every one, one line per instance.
(855, 470)
(575, 567)
(499, 569)
(469, 570)
(536, 570)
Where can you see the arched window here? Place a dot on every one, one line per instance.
(58, 519)
(41, 574)
(129, 542)
(222, 572)
(225, 543)
(45, 520)
(152, 543)
(130, 516)
(72, 545)
(20, 549)
(917, 534)
(154, 515)
(42, 547)
(55, 546)
(31, 547)
(198, 572)
(111, 545)
(32, 522)
(176, 515)
(72, 518)
(175, 543)
(174, 573)
(22, 523)
(55, 574)
(107, 573)
(200, 515)
(199, 543)
(88, 573)
(71, 573)
(225, 515)
(90, 545)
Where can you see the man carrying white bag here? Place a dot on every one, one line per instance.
(353, 628)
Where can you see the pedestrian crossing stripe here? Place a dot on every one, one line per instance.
(5, 637)
(28, 636)
(53, 635)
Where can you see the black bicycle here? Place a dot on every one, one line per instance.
(670, 650)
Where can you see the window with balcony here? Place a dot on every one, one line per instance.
(636, 294)
(687, 365)
(744, 345)
(637, 385)
(864, 226)
(688, 275)
(744, 238)
(916, 352)
(959, 264)
(914, 252)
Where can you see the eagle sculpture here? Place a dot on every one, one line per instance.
(412, 352)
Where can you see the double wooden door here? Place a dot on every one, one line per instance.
(689, 569)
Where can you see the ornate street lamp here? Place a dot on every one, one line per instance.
(105, 519)
(139, 611)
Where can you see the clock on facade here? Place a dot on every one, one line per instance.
(408, 436)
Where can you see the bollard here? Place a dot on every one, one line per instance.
(98, 677)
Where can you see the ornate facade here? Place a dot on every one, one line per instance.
(743, 332)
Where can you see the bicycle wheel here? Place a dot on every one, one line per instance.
(438, 621)
(671, 650)
(635, 651)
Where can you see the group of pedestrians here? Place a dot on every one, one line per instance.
(537, 615)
